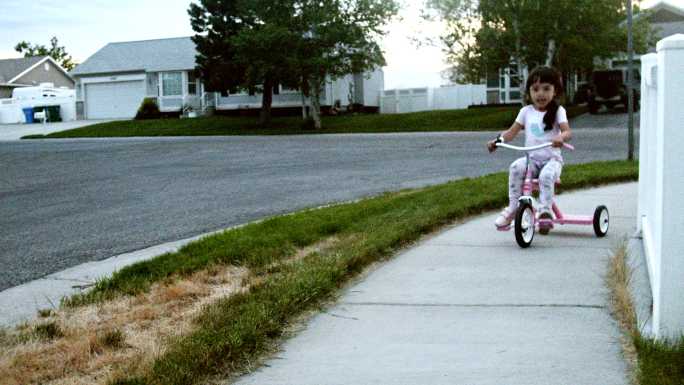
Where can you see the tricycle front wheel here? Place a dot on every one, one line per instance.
(524, 225)
(601, 221)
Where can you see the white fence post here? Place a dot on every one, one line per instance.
(670, 184)
(661, 182)
(647, 142)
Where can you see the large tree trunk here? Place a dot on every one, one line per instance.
(306, 98)
(518, 61)
(316, 103)
(266, 102)
(305, 113)
(550, 52)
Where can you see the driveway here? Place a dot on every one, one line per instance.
(16, 131)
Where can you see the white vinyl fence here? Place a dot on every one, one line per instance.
(426, 99)
(661, 182)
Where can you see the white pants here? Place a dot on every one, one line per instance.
(547, 172)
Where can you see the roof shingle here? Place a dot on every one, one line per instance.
(147, 55)
(10, 68)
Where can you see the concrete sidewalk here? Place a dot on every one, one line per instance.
(11, 132)
(468, 306)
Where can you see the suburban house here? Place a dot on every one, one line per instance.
(666, 20)
(113, 82)
(503, 85)
(31, 71)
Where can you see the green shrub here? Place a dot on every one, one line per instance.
(148, 110)
(48, 331)
(574, 111)
(308, 124)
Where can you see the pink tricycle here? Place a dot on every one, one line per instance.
(526, 222)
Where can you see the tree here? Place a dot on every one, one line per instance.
(264, 48)
(242, 45)
(458, 40)
(569, 35)
(58, 53)
(337, 39)
(297, 43)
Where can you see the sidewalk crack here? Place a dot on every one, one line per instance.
(513, 305)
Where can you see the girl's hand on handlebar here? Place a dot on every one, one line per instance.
(557, 142)
(491, 146)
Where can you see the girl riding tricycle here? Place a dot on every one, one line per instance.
(546, 129)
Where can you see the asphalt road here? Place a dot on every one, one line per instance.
(66, 202)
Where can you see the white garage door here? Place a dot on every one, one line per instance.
(114, 100)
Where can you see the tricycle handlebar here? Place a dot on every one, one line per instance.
(532, 148)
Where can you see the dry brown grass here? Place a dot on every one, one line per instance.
(120, 338)
(105, 341)
(618, 283)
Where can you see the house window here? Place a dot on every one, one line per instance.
(172, 84)
(192, 83)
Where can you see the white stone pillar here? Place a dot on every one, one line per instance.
(647, 131)
(669, 188)
(647, 175)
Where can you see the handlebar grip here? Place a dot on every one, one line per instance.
(569, 146)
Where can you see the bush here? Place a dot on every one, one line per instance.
(308, 124)
(148, 110)
(574, 111)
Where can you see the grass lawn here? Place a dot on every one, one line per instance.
(292, 275)
(476, 119)
(660, 363)
(657, 362)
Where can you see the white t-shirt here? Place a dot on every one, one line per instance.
(533, 122)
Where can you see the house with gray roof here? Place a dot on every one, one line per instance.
(31, 71)
(113, 82)
(665, 19)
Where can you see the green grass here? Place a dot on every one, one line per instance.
(235, 331)
(660, 363)
(451, 120)
(476, 119)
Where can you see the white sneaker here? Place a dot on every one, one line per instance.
(505, 218)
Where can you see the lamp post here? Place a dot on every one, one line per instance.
(630, 77)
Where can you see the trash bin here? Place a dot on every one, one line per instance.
(38, 109)
(28, 114)
(51, 113)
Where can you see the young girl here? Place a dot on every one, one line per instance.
(543, 121)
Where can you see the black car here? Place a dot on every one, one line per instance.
(609, 88)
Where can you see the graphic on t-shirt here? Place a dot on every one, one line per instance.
(536, 130)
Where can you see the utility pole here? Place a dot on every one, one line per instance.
(630, 77)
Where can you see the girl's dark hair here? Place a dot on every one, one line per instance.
(551, 76)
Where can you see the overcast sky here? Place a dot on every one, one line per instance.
(85, 26)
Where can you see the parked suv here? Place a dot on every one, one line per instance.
(609, 88)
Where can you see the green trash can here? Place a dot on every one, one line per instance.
(53, 114)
